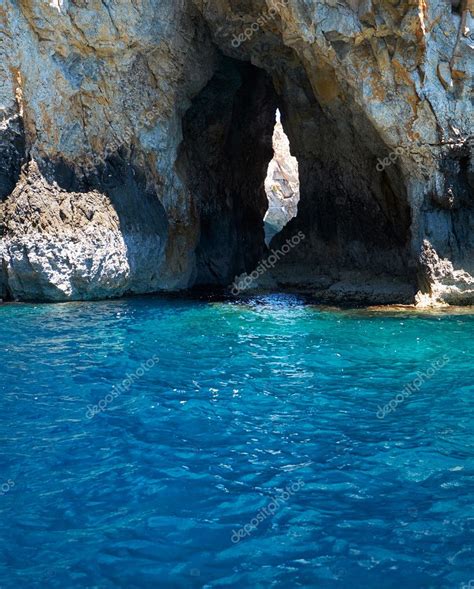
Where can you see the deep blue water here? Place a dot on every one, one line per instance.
(246, 400)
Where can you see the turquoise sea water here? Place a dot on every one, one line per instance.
(180, 444)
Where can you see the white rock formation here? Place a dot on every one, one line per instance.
(282, 184)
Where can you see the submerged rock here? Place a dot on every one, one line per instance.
(135, 140)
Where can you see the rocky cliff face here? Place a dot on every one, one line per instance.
(135, 138)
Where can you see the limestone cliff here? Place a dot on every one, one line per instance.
(135, 137)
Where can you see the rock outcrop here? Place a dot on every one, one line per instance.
(75, 243)
(135, 138)
(282, 184)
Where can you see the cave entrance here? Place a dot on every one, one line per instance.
(222, 164)
(352, 221)
(282, 184)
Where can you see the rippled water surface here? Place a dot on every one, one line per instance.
(243, 449)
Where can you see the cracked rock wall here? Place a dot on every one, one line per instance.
(359, 82)
(94, 96)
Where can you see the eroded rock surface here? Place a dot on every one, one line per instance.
(149, 124)
(80, 243)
